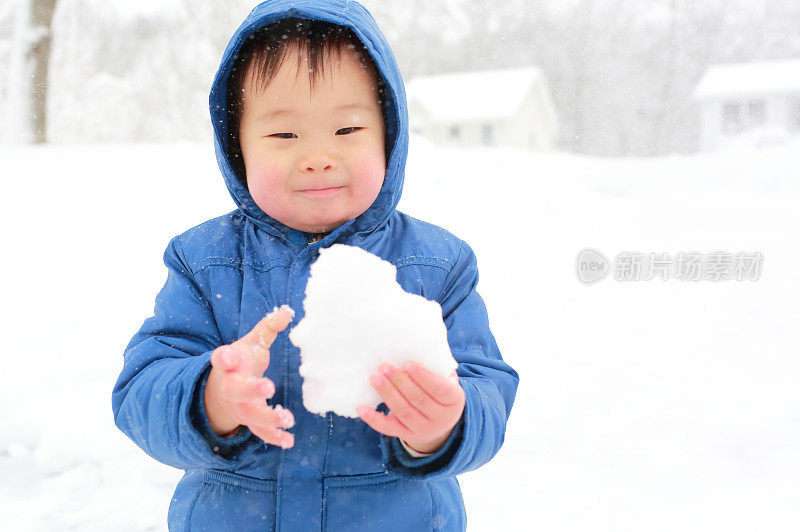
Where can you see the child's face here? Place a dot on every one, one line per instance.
(314, 160)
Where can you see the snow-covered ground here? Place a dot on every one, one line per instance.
(642, 405)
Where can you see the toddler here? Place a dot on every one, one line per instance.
(311, 135)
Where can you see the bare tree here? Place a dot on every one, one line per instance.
(41, 21)
(26, 98)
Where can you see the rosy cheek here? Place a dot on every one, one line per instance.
(373, 170)
(266, 186)
(262, 176)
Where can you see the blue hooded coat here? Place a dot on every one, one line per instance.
(227, 273)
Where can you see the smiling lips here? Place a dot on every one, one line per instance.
(320, 191)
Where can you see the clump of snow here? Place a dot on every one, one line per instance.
(287, 308)
(357, 317)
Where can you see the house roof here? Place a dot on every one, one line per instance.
(478, 95)
(745, 79)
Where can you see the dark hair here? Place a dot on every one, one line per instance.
(265, 50)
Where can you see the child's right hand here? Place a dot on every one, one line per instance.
(236, 390)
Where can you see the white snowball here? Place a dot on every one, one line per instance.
(357, 317)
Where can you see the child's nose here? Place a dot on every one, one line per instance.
(318, 162)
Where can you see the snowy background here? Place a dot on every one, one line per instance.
(642, 406)
(621, 72)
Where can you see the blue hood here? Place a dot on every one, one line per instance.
(355, 16)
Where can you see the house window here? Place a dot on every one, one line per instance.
(756, 111)
(487, 135)
(455, 133)
(731, 118)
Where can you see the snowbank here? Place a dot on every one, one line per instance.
(647, 406)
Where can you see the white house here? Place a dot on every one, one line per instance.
(746, 98)
(510, 107)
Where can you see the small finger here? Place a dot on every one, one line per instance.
(273, 436)
(398, 405)
(240, 389)
(266, 330)
(284, 416)
(263, 415)
(411, 391)
(444, 390)
(385, 424)
(262, 388)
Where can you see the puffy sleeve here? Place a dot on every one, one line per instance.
(157, 400)
(489, 384)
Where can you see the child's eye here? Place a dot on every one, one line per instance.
(346, 130)
(283, 135)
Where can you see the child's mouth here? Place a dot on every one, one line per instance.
(321, 191)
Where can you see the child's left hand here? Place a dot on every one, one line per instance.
(423, 407)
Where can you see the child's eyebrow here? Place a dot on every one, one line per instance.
(355, 106)
(276, 114)
(272, 115)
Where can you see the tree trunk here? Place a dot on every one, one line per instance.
(26, 103)
(41, 22)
